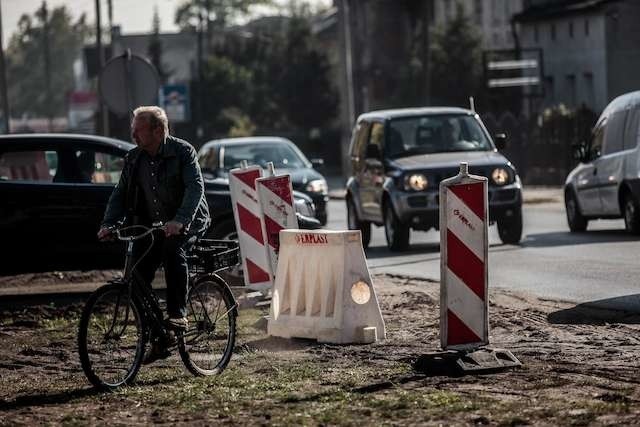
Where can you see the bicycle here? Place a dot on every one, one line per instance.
(120, 318)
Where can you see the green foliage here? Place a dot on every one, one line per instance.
(304, 89)
(278, 80)
(456, 62)
(226, 85)
(218, 11)
(26, 61)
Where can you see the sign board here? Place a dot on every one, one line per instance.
(521, 69)
(175, 100)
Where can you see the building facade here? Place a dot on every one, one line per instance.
(591, 49)
(491, 18)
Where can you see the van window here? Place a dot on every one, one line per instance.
(614, 133)
(595, 148)
(632, 131)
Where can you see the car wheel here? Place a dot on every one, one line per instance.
(577, 222)
(355, 224)
(631, 214)
(397, 233)
(510, 228)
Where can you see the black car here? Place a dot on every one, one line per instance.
(218, 157)
(54, 189)
(399, 157)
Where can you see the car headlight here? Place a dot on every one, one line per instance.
(416, 182)
(500, 176)
(318, 186)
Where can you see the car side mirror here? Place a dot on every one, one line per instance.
(373, 152)
(317, 163)
(500, 140)
(580, 152)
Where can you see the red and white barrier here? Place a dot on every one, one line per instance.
(248, 218)
(276, 199)
(464, 246)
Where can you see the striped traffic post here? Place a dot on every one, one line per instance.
(464, 308)
(276, 200)
(248, 219)
(464, 313)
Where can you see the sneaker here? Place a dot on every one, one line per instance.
(156, 352)
(179, 323)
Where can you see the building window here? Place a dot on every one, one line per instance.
(590, 96)
(536, 35)
(553, 31)
(478, 12)
(586, 27)
(571, 29)
(549, 90)
(571, 89)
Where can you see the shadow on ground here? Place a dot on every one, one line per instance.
(624, 309)
(562, 238)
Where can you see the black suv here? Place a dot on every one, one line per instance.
(399, 157)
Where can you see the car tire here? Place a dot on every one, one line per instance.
(577, 222)
(355, 224)
(396, 232)
(631, 214)
(510, 228)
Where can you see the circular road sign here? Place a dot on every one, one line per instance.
(128, 81)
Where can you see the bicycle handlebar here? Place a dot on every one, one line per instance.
(147, 231)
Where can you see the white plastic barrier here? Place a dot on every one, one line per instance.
(323, 289)
(464, 312)
(248, 218)
(276, 200)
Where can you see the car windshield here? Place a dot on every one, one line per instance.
(435, 134)
(282, 155)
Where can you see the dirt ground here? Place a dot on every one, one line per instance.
(579, 368)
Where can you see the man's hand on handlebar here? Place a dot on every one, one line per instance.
(173, 228)
(106, 234)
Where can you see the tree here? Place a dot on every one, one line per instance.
(155, 48)
(456, 62)
(228, 89)
(26, 61)
(218, 11)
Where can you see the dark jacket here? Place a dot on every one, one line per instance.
(181, 189)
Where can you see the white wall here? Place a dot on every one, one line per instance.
(581, 56)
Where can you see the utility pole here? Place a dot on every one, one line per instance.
(199, 130)
(3, 81)
(103, 112)
(47, 64)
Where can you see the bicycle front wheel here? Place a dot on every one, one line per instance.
(207, 344)
(111, 337)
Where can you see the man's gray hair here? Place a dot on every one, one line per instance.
(155, 115)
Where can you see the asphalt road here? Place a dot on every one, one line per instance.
(601, 266)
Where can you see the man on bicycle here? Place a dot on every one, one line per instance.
(160, 182)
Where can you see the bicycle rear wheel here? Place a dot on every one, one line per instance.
(207, 344)
(111, 338)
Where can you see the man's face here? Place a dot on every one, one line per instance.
(144, 135)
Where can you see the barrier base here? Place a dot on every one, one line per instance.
(479, 361)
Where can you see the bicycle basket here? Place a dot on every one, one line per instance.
(209, 255)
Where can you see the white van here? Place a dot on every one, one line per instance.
(606, 184)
